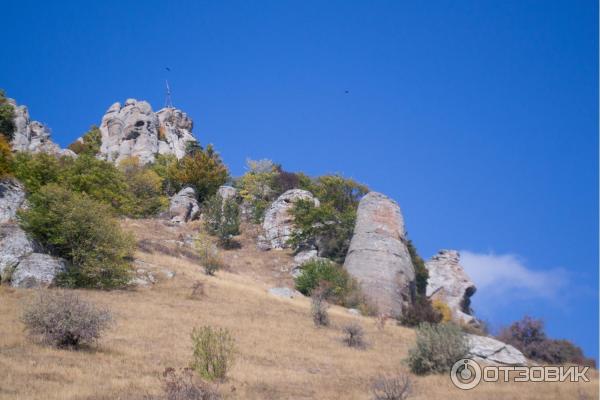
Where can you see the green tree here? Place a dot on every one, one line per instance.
(7, 116)
(331, 225)
(37, 170)
(222, 218)
(81, 230)
(90, 142)
(203, 170)
(99, 179)
(145, 196)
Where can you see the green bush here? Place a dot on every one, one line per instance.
(166, 167)
(99, 179)
(328, 228)
(208, 254)
(37, 170)
(63, 319)
(222, 218)
(213, 352)
(437, 348)
(318, 272)
(131, 189)
(7, 116)
(331, 225)
(90, 142)
(203, 170)
(144, 189)
(81, 230)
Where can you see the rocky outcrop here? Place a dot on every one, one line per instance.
(33, 136)
(227, 192)
(448, 282)
(378, 257)
(14, 246)
(37, 270)
(488, 350)
(184, 206)
(21, 260)
(134, 130)
(278, 223)
(284, 292)
(12, 198)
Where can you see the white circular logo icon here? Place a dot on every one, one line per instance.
(465, 374)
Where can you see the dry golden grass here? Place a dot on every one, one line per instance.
(281, 355)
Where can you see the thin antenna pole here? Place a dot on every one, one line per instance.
(168, 101)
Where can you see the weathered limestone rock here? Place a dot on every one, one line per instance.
(37, 270)
(378, 257)
(227, 192)
(134, 130)
(284, 292)
(278, 222)
(184, 206)
(487, 350)
(448, 282)
(14, 245)
(12, 197)
(32, 136)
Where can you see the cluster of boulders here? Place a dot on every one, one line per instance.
(32, 136)
(22, 261)
(134, 130)
(379, 259)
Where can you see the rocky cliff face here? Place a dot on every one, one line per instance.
(448, 282)
(134, 130)
(278, 223)
(21, 260)
(378, 257)
(33, 136)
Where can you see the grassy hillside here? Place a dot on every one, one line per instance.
(281, 354)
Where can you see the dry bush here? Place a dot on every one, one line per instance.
(197, 290)
(63, 319)
(209, 254)
(354, 335)
(319, 307)
(398, 387)
(214, 351)
(380, 321)
(437, 348)
(182, 386)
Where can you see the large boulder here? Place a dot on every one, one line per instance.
(278, 224)
(449, 283)
(14, 246)
(32, 136)
(134, 130)
(227, 192)
(37, 270)
(488, 350)
(183, 206)
(12, 198)
(378, 257)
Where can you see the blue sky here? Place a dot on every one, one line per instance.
(478, 117)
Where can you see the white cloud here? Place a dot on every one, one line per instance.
(500, 275)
